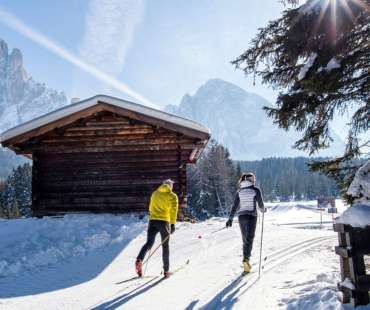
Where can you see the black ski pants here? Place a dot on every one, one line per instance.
(247, 225)
(162, 227)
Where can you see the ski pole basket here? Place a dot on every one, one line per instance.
(353, 247)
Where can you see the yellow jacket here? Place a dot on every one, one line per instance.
(163, 205)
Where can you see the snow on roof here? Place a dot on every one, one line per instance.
(87, 103)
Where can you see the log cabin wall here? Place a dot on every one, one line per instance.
(105, 163)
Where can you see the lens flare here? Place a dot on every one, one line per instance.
(335, 10)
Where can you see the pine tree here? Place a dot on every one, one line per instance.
(23, 176)
(320, 62)
(16, 196)
(211, 183)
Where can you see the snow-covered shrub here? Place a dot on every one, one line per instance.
(359, 214)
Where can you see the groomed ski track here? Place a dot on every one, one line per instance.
(299, 251)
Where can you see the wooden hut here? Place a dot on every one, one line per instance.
(105, 154)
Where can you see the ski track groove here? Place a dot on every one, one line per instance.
(278, 257)
(274, 259)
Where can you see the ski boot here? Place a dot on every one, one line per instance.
(246, 265)
(167, 274)
(138, 267)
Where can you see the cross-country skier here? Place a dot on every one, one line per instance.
(162, 218)
(246, 200)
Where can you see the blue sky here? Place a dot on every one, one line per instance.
(159, 50)
(174, 46)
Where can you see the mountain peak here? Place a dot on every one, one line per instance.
(236, 119)
(16, 59)
(217, 82)
(221, 87)
(3, 54)
(21, 98)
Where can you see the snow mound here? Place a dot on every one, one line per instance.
(319, 294)
(357, 216)
(30, 244)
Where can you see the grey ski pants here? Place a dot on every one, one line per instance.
(247, 225)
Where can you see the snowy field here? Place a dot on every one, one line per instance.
(87, 261)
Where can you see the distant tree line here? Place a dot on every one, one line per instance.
(15, 193)
(212, 183)
(287, 179)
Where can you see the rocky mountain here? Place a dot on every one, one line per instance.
(21, 98)
(236, 119)
(8, 161)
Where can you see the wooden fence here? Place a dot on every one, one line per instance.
(354, 245)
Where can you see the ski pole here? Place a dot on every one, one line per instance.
(211, 233)
(259, 268)
(146, 265)
(155, 250)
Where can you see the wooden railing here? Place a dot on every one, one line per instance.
(354, 244)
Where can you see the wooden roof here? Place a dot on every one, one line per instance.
(98, 103)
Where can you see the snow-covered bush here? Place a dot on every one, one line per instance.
(359, 214)
(360, 186)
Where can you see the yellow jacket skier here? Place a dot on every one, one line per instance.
(162, 218)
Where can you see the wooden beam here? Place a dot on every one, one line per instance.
(97, 149)
(158, 122)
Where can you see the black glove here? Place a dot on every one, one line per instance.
(229, 223)
(173, 228)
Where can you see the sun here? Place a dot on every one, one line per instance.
(336, 10)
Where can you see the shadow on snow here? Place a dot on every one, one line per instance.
(73, 272)
(124, 298)
(227, 297)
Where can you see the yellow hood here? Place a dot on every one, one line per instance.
(163, 205)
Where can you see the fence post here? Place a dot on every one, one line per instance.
(353, 245)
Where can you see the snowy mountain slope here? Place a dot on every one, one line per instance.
(236, 119)
(22, 98)
(300, 272)
(8, 160)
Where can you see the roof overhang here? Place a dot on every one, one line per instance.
(73, 112)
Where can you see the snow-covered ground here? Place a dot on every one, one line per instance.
(84, 262)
